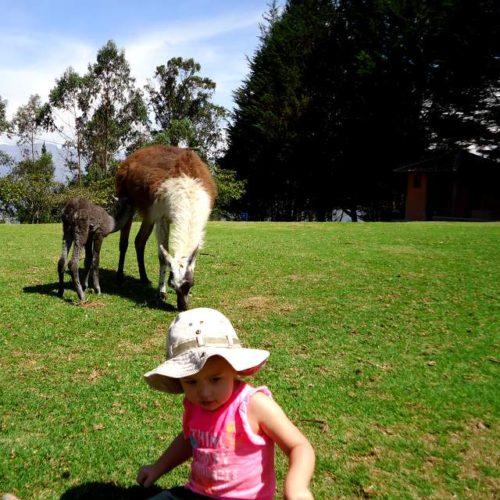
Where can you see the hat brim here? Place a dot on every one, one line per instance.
(165, 377)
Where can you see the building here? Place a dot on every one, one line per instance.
(452, 186)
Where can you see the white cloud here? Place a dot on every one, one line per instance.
(30, 63)
(220, 62)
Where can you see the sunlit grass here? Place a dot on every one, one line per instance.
(383, 340)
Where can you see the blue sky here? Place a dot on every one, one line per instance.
(40, 39)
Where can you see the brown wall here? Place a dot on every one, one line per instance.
(416, 196)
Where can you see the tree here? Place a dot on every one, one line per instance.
(28, 192)
(113, 110)
(69, 96)
(404, 70)
(341, 93)
(27, 125)
(100, 115)
(41, 169)
(5, 159)
(462, 68)
(4, 124)
(184, 115)
(180, 100)
(266, 145)
(229, 190)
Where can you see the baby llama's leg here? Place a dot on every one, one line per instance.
(63, 259)
(73, 267)
(88, 261)
(95, 261)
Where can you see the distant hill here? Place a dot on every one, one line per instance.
(60, 171)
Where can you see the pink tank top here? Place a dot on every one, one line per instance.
(229, 459)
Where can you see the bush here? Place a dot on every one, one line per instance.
(230, 189)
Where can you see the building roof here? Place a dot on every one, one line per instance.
(449, 161)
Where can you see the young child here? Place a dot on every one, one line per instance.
(229, 427)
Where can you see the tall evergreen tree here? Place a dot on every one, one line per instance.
(340, 93)
(266, 146)
(410, 66)
(462, 67)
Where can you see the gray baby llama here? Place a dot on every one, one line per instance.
(86, 225)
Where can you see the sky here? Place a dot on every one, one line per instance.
(40, 39)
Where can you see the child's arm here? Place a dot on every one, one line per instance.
(177, 453)
(267, 415)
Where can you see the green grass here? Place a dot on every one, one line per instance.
(384, 351)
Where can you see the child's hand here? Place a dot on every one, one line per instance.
(147, 475)
(300, 495)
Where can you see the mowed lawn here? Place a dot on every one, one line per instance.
(384, 343)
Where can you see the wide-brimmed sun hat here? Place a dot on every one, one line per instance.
(195, 336)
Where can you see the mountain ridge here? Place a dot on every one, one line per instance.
(61, 173)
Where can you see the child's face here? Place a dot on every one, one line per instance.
(211, 387)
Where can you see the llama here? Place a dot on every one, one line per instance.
(172, 188)
(86, 225)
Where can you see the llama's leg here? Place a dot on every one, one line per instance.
(88, 262)
(124, 234)
(95, 261)
(162, 239)
(63, 259)
(73, 267)
(140, 243)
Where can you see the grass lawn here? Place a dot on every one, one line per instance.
(384, 350)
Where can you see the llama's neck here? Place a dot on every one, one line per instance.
(189, 208)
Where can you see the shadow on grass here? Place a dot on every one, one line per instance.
(90, 491)
(131, 289)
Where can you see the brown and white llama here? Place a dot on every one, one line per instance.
(172, 188)
(85, 225)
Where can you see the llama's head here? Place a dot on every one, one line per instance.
(123, 207)
(123, 211)
(181, 278)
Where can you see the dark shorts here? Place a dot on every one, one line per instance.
(179, 493)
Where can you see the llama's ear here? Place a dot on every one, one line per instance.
(167, 256)
(192, 257)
